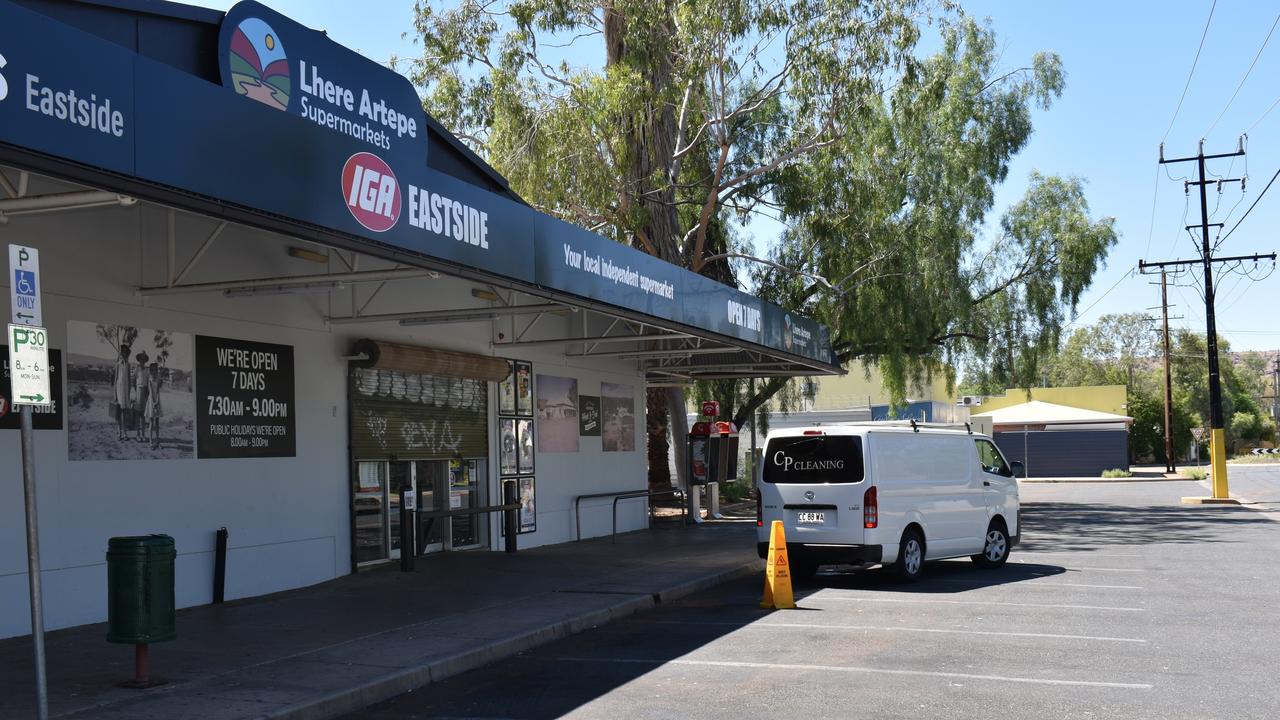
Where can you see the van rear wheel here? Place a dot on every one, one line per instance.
(995, 551)
(910, 563)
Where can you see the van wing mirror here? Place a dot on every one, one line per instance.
(1017, 468)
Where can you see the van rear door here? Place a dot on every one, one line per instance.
(815, 483)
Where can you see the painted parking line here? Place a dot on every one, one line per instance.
(892, 628)
(930, 601)
(1090, 553)
(864, 670)
(976, 585)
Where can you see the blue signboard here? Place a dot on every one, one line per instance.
(305, 129)
(64, 91)
(289, 68)
(573, 260)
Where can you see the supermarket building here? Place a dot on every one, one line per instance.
(279, 294)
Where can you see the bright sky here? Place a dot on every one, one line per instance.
(1127, 64)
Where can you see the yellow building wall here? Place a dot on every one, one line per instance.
(1103, 398)
(861, 388)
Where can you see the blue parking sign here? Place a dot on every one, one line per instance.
(24, 282)
(24, 298)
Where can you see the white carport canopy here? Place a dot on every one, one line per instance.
(1061, 417)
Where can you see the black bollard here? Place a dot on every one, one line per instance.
(220, 566)
(510, 496)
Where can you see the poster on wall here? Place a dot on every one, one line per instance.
(528, 509)
(244, 399)
(524, 388)
(507, 433)
(524, 431)
(130, 392)
(557, 414)
(43, 417)
(589, 415)
(618, 417)
(507, 392)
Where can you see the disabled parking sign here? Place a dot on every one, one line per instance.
(24, 301)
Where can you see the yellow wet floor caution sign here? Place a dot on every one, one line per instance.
(777, 572)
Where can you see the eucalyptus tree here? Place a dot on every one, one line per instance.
(875, 132)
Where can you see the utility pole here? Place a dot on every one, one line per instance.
(1275, 389)
(1217, 442)
(1168, 381)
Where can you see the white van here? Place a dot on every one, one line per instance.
(883, 494)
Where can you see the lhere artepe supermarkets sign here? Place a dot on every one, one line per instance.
(244, 399)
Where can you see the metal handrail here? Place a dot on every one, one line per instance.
(421, 516)
(620, 495)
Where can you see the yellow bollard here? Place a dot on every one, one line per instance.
(777, 572)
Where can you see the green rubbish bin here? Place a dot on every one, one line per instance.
(140, 605)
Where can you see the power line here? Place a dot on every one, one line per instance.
(1151, 227)
(1191, 74)
(1251, 207)
(1095, 302)
(1263, 116)
(1246, 76)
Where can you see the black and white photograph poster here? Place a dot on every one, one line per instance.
(557, 414)
(244, 399)
(507, 392)
(524, 388)
(589, 415)
(43, 417)
(130, 393)
(524, 431)
(507, 437)
(618, 411)
(528, 506)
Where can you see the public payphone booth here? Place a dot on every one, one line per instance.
(712, 459)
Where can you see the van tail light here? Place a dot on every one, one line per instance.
(759, 509)
(870, 509)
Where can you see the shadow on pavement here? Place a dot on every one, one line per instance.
(1078, 527)
(940, 577)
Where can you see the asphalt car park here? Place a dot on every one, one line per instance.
(1119, 603)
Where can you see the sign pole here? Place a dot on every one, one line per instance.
(33, 562)
(29, 383)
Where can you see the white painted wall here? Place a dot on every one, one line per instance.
(288, 518)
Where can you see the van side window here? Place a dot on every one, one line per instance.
(990, 459)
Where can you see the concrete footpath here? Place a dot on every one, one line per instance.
(322, 651)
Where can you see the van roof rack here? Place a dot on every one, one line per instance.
(912, 423)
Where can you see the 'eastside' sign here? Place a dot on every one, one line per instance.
(269, 58)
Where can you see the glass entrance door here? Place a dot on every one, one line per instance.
(467, 484)
(432, 490)
(439, 485)
(369, 509)
(399, 479)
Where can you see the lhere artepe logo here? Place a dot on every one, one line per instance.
(371, 192)
(259, 67)
(4, 84)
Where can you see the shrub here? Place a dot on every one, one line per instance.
(735, 491)
(1116, 473)
(1196, 473)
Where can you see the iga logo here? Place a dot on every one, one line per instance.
(4, 85)
(371, 191)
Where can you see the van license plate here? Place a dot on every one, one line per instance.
(812, 518)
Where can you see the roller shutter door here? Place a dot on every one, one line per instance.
(1067, 453)
(408, 415)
